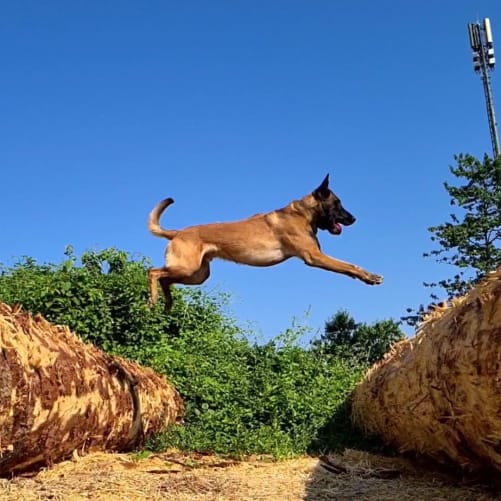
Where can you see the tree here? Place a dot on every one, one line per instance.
(345, 338)
(470, 240)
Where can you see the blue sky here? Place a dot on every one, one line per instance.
(234, 108)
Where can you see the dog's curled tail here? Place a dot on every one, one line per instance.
(154, 220)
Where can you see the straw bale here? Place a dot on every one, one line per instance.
(59, 396)
(438, 394)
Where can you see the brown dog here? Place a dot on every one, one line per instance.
(261, 240)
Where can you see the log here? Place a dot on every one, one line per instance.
(59, 396)
(438, 394)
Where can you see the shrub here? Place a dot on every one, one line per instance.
(241, 397)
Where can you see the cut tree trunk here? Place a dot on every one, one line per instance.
(439, 393)
(59, 396)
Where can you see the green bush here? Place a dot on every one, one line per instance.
(252, 399)
(241, 397)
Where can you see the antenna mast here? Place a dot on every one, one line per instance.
(484, 61)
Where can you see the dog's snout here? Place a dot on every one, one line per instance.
(347, 219)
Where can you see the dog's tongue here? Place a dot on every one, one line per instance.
(337, 228)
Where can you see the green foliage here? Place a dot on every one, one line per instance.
(241, 397)
(359, 343)
(245, 398)
(470, 240)
(104, 299)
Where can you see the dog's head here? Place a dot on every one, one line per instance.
(330, 213)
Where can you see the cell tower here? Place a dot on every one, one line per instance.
(483, 62)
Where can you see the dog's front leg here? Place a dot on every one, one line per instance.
(319, 260)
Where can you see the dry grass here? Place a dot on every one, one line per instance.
(173, 476)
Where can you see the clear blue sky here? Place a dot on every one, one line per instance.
(234, 108)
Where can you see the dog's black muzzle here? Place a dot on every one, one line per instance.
(345, 218)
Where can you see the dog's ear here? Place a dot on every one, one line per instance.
(323, 190)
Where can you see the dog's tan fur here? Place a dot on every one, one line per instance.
(261, 240)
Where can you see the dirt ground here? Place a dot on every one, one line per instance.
(354, 475)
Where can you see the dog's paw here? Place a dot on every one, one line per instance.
(372, 279)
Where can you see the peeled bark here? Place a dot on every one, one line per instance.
(59, 395)
(439, 393)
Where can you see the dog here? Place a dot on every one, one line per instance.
(261, 240)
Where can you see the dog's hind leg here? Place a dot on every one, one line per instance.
(168, 275)
(165, 284)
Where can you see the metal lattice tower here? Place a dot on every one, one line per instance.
(483, 62)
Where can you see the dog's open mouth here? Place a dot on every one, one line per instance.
(336, 229)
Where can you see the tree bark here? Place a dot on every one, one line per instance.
(59, 396)
(439, 393)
